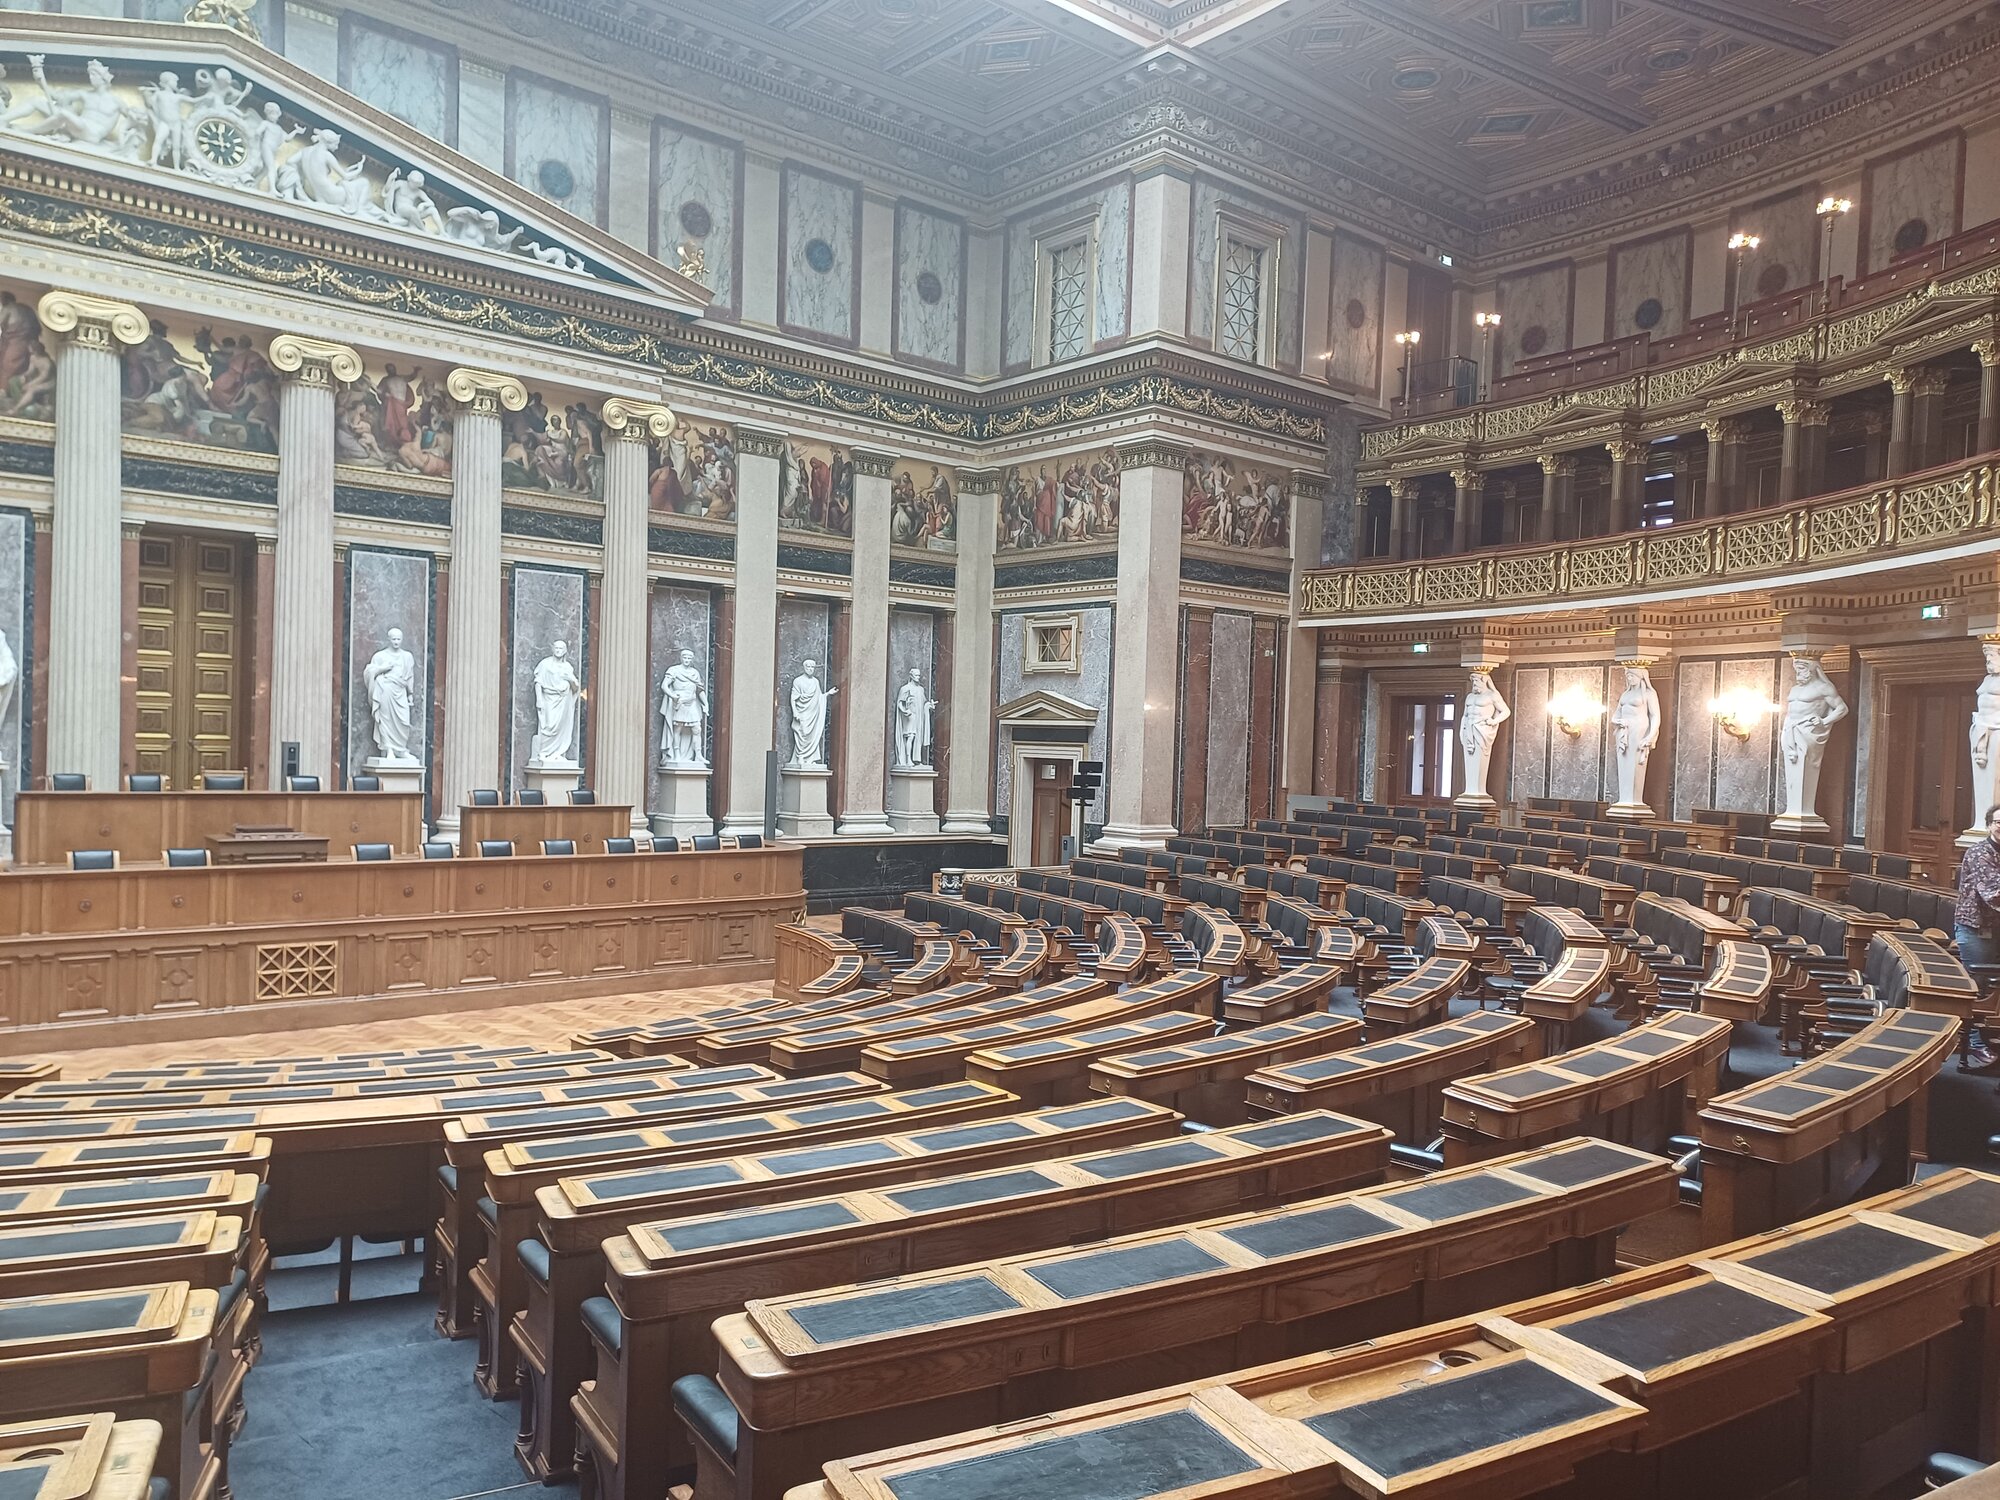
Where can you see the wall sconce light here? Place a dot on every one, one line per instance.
(1575, 709)
(1738, 710)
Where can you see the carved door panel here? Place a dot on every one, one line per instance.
(191, 632)
(1931, 793)
(1421, 757)
(1051, 809)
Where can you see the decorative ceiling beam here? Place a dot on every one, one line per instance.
(1784, 26)
(1523, 67)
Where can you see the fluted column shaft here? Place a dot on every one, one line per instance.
(1402, 518)
(1988, 351)
(1558, 517)
(1628, 477)
(1469, 489)
(865, 749)
(1140, 775)
(472, 630)
(624, 691)
(86, 630)
(968, 795)
(1801, 464)
(302, 562)
(753, 672)
(1902, 413)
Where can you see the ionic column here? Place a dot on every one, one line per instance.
(1927, 417)
(473, 638)
(1801, 466)
(1902, 414)
(753, 672)
(1363, 506)
(865, 748)
(1988, 351)
(1402, 514)
(625, 708)
(302, 564)
(1628, 478)
(1558, 518)
(968, 793)
(86, 628)
(1143, 697)
(1470, 487)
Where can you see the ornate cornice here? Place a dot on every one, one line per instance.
(638, 420)
(93, 322)
(314, 361)
(758, 442)
(483, 392)
(872, 465)
(980, 481)
(1152, 453)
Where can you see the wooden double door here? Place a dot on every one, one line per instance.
(1421, 761)
(193, 640)
(1930, 777)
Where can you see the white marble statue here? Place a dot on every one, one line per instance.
(1480, 715)
(684, 707)
(557, 692)
(165, 105)
(268, 136)
(1635, 730)
(94, 117)
(1985, 739)
(391, 680)
(10, 679)
(406, 204)
(913, 723)
(809, 703)
(1811, 710)
(479, 226)
(318, 176)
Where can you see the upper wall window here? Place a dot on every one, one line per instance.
(1069, 300)
(1242, 311)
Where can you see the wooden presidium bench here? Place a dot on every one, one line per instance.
(1827, 1359)
(806, 1378)
(667, 1281)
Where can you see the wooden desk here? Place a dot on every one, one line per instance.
(92, 1455)
(84, 950)
(526, 827)
(1205, 1079)
(266, 846)
(669, 1280)
(142, 826)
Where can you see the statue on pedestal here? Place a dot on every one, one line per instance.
(1480, 715)
(913, 723)
(1985, 738)
(1811, 710)
(390, 679)
(1635, 729)
(557, 692)
(684, 707)
(809, 704)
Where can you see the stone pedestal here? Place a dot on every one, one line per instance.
(802, 803)
(683, 812)
(1799, 823)
(913, 800)
(1629, 812)
(395, 775)
(1477, 800)
(555, 780)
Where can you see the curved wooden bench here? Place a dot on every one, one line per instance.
(1636, 1088)
(1124, 952)
(1297, 990)
(1420, 997)
(1056, 1070)
(1205, 1079)
(1348, 949)
(938, 962)
(752, 1043)
(940, 1056)
(833, 1048)
(1395, 917)
(1739, 982)
(812, 963)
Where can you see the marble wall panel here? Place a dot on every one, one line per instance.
(1912, 199)
(1228, 777)
(19, 662)
(414, 80)
(1867, 687)
(1715, 769)
(1369, 781)
(1694, 736)
(387, 590)
(1354, 314)
(1073, 498)
(1090, 683)
(697, 202)
(482, 115)
(912, 643)
(681, 619)
(1111, 207)
(1212, 202)
(200, 384)
(693, 473)
(1226, 502)
(1788, 244)
(1343, 454)
(559, 144)
(1647, 287)
(1527, 736)
(930, 287)
(1535, 308)
(805, 631)
(1576, 765)
(548, 606)
(395, 417)
(816, 489)
(819, 266)
(923, 507)
(27, 362)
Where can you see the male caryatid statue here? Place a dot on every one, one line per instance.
(557, 691)
(684, 707)
(1985, 743)
(1811, 710)
(913, 723)
(1635, 729)
(809, 696)
(391, 680)
(1480, 716)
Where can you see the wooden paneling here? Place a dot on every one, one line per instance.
(139, 825)
(526, 827)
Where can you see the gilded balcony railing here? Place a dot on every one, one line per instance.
(1903, 519)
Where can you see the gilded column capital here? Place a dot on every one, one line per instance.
(1627, 450)
(760, 442)
(312, 361)
(638, 420)
(484, 393)
(873, 465)
(1803, 413)
(1723, 429)
(1467, 479)
(1930, 381)
(1404, 488)
(1903, 382)
(979, 481)
(93, 322)
(1988, 350)
(1557, 465)
(1152, 453)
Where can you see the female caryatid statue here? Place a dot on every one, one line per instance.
(1811, 710)
(1985, 743)
(1635, 729)
(1480, 715)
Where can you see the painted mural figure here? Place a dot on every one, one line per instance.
(696, 475)
(1219, 507)
(225, 393)
(558, 690)
(1812, 708)
(27, 369)
(10, 680)
(684, 706)
(391, 680)
(809, 703)
(1078, 502)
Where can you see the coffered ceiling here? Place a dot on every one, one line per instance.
(1485, 97)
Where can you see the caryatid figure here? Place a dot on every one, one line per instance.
(1812, 708)
(1635, 729)
(1480, 716)
(1985, 742)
